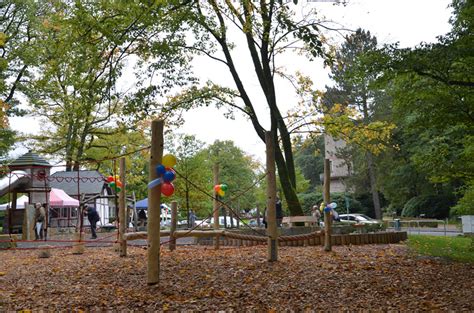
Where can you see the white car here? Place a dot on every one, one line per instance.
(228, 222)
(356, 218)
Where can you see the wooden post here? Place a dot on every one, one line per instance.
(327, 199)
(174, 222)
(216, 205)
(123, 218)
(154, 201)
(135, 215)
(272, 254)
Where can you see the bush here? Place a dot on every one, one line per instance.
(433, 206)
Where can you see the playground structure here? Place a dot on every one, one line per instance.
(215, 237)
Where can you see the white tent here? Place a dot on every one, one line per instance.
(20, 203)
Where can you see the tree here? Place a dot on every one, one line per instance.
(353, 79)
(268, 29)
(18, 34)
(431, 87)
(236, 171)
(81, 57)
(193, 174)
(309, 157)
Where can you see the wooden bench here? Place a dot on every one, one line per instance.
(289, 221)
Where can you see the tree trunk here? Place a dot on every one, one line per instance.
(373, 186)
(370, 164)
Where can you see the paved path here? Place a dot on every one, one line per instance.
(103, 240)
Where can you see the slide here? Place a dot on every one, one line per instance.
(13, 180)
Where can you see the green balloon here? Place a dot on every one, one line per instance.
(223, 187)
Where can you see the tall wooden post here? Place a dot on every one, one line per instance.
(216, 206)
(174, 222)
(154, 202)
(135, 215)
(272, 254)
(327, 199)
(123, 210)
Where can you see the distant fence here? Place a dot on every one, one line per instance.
(421, 226)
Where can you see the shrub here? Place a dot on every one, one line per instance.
(434, 206)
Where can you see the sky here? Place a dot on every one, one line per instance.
(408, 22)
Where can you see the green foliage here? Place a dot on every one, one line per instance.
(431, 205)
(309, 158)
(237, 171)
(465, 205)
(455, 248)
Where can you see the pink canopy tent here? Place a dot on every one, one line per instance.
(59, 199)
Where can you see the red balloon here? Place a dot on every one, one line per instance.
(217, 188)
(110, 179)
(167, 189)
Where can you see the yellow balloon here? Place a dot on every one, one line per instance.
(169, 160)
(221, 193)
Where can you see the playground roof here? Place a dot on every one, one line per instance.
(88, 182)
(29, 159)
(58, 198)
(143, 204)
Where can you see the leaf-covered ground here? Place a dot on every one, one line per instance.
(240, 279)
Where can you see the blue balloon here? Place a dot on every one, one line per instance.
(160, 169)
(327, 209)
(169, 176)
(154, 183)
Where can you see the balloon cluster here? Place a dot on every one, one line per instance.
(220, 189)
(330, 207)
(115, 183)
(166, 175)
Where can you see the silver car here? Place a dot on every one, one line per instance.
(356, 218)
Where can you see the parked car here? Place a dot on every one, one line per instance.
(356, 218)
(228, 221)
(202, 223)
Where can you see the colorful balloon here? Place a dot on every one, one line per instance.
(118, 184)
(333, 205)
(154, 183)
(224, 187)
(110, 179)
(217, 188)
(112, 184)
(169, 176)
(160, 169)
(221, 193)
(118, 189)
(169, 160)
(167, 189)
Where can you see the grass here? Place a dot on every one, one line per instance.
(454, 248)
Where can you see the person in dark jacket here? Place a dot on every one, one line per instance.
(93, 218)
(279, 212)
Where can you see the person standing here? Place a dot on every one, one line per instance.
(316, 213)
(279, 212)
(93, 218)
(40, 217)
(142, 218)
(192, 218)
